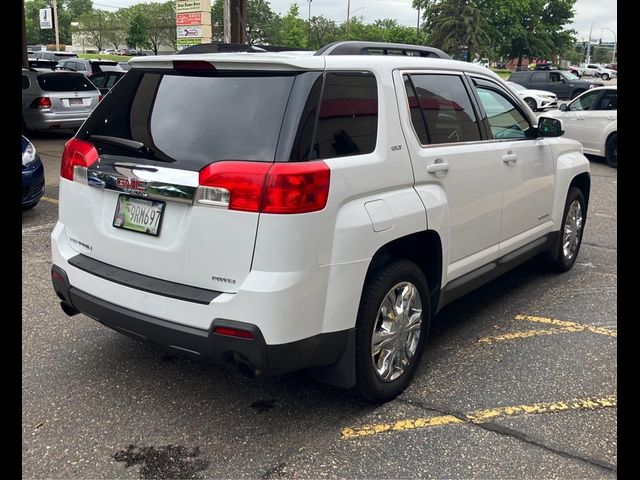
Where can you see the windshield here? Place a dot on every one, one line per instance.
(569, 76)
(516, 86)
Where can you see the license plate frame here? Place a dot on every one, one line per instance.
(76, 101)
(123, 219)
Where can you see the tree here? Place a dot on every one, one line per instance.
(261, 24)
(138, 32)
(160, 21)
(93, 26)
(116, 29)
(68, 11)
(323, 31)
(292, 30)
(458, 27)
(601, 55)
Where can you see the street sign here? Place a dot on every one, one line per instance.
(46, 18)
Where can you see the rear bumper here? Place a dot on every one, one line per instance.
(317, 351)
(41, 120)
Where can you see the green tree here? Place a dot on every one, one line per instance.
(261, 25)
(601, 55)
(160, 22)
(292, 30)
(323, 31)
(458, 27)
(138, 32)
(68, 11)
(116, 28)
(94, 25)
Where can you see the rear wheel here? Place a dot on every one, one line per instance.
(391, 330)
(611, 150)
(605, 76)
(573, 220)
(532, 103)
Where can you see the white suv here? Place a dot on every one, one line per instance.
(279, 212)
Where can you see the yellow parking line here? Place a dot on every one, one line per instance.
(520, 335)
(482, 416)
(569, 326)
(50, 200)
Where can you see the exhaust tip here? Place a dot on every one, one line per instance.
(245, 370)
(68, 309)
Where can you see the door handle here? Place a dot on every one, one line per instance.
(439, 168)
(510, 158)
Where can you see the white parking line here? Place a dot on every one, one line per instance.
(38, 228)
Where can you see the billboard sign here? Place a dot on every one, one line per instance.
(193, 6)
(189, 18)
(46, 19)
(189, 32)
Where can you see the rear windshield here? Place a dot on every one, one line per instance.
(194, 119)
(64, 82)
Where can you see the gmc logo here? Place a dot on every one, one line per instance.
(130, 184)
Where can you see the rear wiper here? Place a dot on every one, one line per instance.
(137, 147)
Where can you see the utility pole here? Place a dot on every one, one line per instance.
(309, 35)
(418, 27)
(348, 9)
(589, 44)
(55, 24)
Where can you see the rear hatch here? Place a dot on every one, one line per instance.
(69, 92)
(154, 147)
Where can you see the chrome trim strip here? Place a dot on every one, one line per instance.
(159, 183)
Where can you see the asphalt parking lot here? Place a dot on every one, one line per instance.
(518, 381)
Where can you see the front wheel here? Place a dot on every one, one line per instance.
(611, 150)
(573, 220)
(391, 330)
(605, 76)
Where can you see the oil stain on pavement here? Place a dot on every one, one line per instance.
(170, 462)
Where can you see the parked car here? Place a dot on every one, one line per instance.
(363, 193)
(108, 51)
(54, 56)
(32, 175)
(105, 80)
(536, 99)
(124, 66)
(89, 66)
(592, 119)
(56, 99)
(560, 82)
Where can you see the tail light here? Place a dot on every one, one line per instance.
(77, 156)
(41, 102)
(283, 188)
(233, 332)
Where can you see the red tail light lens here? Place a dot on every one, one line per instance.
(233, 332)
(193, 66)
(77, 153)
(283, 188)
(41, 102)
(296, 187)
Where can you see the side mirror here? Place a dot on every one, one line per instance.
(550, 127)
(563, 107)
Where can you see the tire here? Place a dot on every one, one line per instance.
(532, 103)
(28, 207)
(568, 247)
(605, 76)
(380, 382)
(576, 93)
(611, 150)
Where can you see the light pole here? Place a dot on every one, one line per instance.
(615, 43)
(309, 35)
(418, 26)
(589, 44)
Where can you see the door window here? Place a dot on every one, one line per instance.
(585, 102)
(608, 101)
(555, 77)
(447, 114)
(504, 118)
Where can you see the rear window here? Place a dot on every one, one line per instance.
(518, 76)
(194, 119)
(64, 82)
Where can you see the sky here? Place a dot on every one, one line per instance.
(601, 14)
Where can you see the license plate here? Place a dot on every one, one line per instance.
(75, 101)
(139, 215)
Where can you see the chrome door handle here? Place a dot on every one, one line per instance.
(510, 159)
(439, 168)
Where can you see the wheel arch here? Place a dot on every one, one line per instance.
(583, 183)
(425, 249)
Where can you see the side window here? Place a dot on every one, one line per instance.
(446, 109)
(348, 117)
(555, 77)
(111, 81)
(585, 102)
(609, 100)
(416, 113)
(25, 82)
(504, 119)
(98, 80)
(539, 77)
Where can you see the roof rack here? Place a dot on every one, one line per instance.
(379, 48)
(217, 47)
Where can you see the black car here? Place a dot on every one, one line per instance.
(105, 80)
(561, 82)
